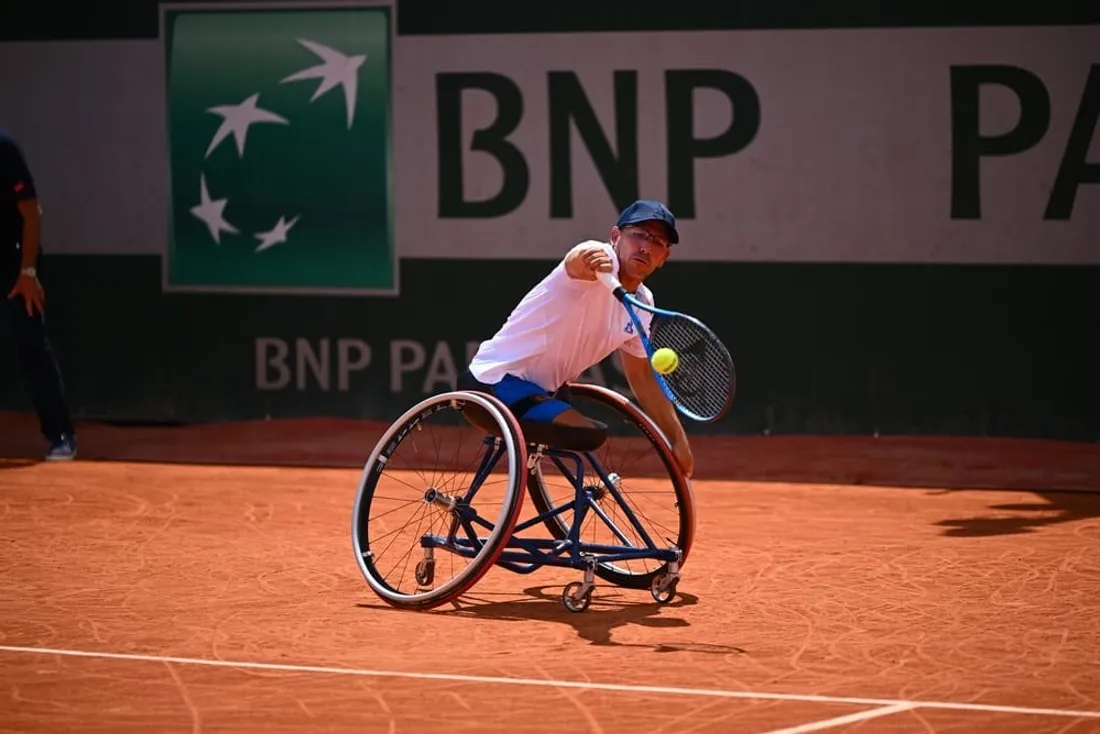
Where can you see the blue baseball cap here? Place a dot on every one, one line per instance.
(645, 210)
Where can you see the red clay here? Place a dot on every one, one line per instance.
(800, 583)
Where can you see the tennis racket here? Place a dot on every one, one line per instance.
(703, 384)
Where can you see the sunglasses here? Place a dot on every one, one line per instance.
(645, 236)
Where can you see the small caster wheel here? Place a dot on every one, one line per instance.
(425, 572)
(571, 603)
(663, 588)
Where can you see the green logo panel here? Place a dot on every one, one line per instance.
(279, 145)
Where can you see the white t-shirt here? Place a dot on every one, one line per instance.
(561, 328)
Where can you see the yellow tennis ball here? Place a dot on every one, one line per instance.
(665, 360)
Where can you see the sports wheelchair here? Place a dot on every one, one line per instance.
(628, 520)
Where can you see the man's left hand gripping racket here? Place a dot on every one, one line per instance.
(703, 384)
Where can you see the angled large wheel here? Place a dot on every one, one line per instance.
(438, 498)
(644, 494)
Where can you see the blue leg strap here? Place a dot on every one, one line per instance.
(546, 411)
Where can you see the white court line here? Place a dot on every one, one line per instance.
(620, 687)
(849, 719)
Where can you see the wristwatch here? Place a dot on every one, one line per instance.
(30, 272)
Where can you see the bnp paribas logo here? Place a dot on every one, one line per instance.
(279, 144)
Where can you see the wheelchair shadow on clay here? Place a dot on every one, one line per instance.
(596, 625)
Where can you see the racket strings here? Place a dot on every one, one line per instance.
(703, 381)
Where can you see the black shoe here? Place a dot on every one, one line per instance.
(63, 449)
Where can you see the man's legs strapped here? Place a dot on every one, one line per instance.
(544, 417)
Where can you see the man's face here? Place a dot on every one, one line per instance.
(642, 248)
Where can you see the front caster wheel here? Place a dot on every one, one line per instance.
(573, 602)
(663, 588)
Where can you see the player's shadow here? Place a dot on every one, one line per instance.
(607, 612)
(1052, 508)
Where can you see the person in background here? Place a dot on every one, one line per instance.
(20, 258)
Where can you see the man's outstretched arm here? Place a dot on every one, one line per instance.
(654, 402)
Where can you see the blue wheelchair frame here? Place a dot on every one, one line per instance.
(525, 555)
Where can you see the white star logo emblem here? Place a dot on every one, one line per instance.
(237, 119)
(210, 212)
(338, 69)
(275, 235)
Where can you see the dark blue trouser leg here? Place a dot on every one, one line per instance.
(39, 366)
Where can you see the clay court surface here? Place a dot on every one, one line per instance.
(202, 580)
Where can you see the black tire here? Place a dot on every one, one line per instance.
(514, 452)
(610, 404)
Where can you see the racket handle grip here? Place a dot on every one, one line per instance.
(610, 281)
